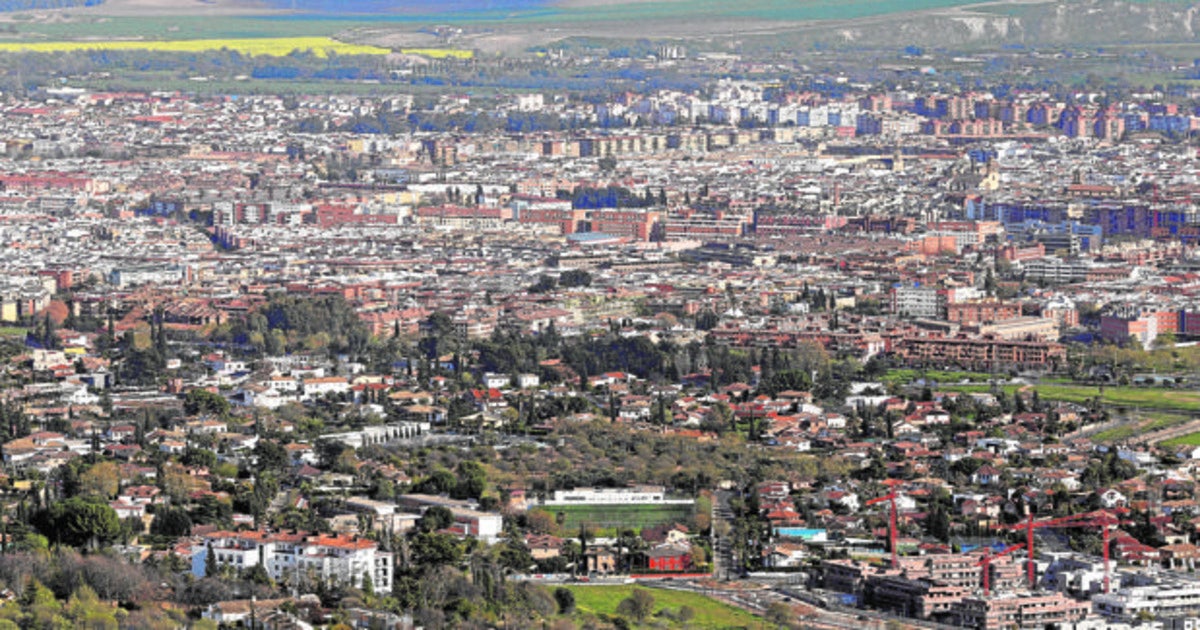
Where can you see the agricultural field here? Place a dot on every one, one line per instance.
(1155, 398)
(1150, 423)
(439, 53)
(608, 519)
(709, 613)
(907, 375)
(268, 46)
(1191, 439)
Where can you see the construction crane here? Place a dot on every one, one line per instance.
(986, 563)
(891, 499)
(1100, 518)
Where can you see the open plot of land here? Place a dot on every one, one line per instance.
(617, 517)
(906, 376)
(1137, 427)
(709, 613)
(268, 46)
(12, 331)
(1191, 439)
(1155, 398)
(1150, 398)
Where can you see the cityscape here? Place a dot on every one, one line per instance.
(587, 314)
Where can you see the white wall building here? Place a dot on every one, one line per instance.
(341, 559)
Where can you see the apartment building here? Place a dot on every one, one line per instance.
(341, 559)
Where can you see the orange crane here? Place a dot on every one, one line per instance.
(891, 499)
(1105, 519)
(986, 563)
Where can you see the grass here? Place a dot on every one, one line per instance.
(1171, 400)
(710, 613)
(905, 376)
(1191, 439)
(1116, 434)
(12, 331)
(613, 518)
(180, 27)
(439, 53)
(256, 47)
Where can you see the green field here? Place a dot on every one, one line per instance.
(906, 376)
(613, 518)
(177, 28)
(709, 613)
(12, 331)
(1191, 439)
(26, 28)
(1176, 400)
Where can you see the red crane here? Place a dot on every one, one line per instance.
(986, 563)
(1100, 518)
(891, 499)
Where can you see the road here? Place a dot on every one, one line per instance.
(723, 559)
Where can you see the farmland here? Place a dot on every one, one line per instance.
(1156, 398)
(268, 46)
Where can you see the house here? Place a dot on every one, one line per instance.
(848, 500)
(543, 547)
(1110, 498)
(986, 475)
(784, 555)
(601, 560)
(669, 557)
(317, 387)
(495, 381)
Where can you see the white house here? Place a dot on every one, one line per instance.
(317, 387)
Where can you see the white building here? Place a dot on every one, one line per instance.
(320, 386)
(614, 496)
(341, 559)
(924, 302)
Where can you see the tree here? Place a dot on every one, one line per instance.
(638, 605)
(472, 481)
(210, 563)
(565, 599)
(780, 614)
(270, 455)
(79, 522)
(102, 480)
(436, 518)
(172, 522)
(368, 585)
(201, 401)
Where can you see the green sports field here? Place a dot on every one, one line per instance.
(613, 518)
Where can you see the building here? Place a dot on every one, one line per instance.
(1155, 598)
(979, 352)
(469, 521)
(1019, 611)
(982, 311)
(614, 496)
(340, 559)
(920, 302)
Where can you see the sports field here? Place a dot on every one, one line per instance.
(613, 518)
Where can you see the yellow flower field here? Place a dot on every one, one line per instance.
(269, 46)
(439, 53)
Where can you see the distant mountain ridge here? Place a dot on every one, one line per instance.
(404, 7)
(10, 6)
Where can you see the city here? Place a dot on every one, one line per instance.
(686, 338)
